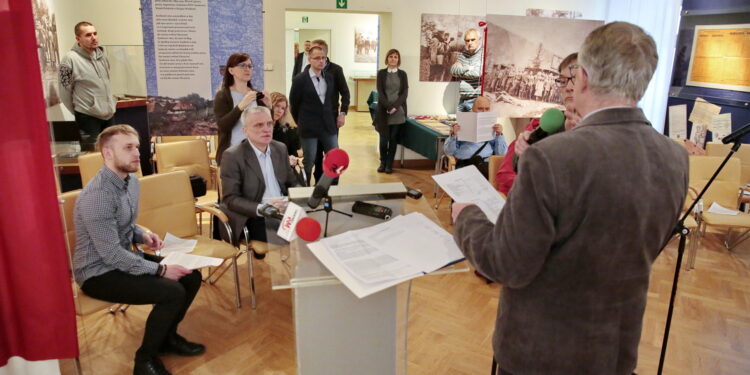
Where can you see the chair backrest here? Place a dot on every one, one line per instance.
(720, 149)
(83, 303)
(494, 166)
(189, 156)
(166, 204)
(725, 189)
(89, 165)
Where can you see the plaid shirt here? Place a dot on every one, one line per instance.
(105, 216)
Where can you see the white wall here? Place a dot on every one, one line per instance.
(424, 97)
(342, 40)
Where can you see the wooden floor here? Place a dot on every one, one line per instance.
(451, 316)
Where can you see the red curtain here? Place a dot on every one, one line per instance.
(37, 315)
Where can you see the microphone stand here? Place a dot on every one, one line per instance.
(328, 207)
(683, 232)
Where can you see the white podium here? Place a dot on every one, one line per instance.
(336, 332)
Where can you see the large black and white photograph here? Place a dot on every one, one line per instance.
(441, 41)
(49, 58)
(365, 44)
(522, 60)
(553, 13)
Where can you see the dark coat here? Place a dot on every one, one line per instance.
(227, 114)
(573, 247)
(243, 184)
(385, 103)
(342, 88)
(288, 136)
(313, 118)
(298, 63)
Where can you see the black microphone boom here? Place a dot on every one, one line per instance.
(320, 191)
(737, 135)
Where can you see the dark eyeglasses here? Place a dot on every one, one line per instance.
(243, 66)
(562, 81)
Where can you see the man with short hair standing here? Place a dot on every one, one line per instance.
(468, 69)
(311, 98)
(105, 266)
(84, 84)
(300, 59)
(575, 274)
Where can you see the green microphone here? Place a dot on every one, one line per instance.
(551, 122)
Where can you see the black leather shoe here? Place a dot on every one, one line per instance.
(388, 170)
(178, 345)
(381, 168)
(152, 366)
(259, 256)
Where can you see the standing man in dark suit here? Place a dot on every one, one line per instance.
(255, 173)
(341, 90)
(311, 99)
(300, 59)
(575, 273)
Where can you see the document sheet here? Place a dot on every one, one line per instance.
(372, 259)
(476, 126)
(703, 112)
(721, 126)
(468, 185)
(190, 261)
(174, 244)
(678, 121)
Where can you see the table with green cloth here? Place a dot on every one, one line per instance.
(425, 137)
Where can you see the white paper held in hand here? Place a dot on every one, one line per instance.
(476, 126)
(174, 244)
(468, 185)
(190, 261)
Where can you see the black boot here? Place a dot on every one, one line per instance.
(381, 168)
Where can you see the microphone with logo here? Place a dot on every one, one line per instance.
(293, 222)
(551, 122)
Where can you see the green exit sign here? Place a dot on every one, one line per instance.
(305, 19)
(342, 4)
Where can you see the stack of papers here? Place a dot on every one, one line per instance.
(174, 244)
(718, 209)
(190, 261)
(372, 259)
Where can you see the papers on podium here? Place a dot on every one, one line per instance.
(476, 126)
(190, 261)
(468, 185)
(372, 259)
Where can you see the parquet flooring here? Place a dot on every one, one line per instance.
(451, 316)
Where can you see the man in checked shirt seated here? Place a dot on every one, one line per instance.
(106, 268)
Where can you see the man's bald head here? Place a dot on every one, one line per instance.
(481, 104)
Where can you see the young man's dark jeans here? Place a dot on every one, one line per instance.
(171, 300)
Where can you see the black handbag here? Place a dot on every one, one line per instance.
(198, 184)
(476, 161)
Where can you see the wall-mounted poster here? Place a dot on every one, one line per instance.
(553, 13)
(49, 58)
(523, 54)
(186, 45)
(366, 44)
(442, 39)
(721, 57)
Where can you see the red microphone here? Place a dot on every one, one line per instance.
(308, 229)
(334, 163)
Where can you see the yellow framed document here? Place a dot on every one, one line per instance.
(721, 57)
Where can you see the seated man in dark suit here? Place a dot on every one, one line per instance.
(254, 173)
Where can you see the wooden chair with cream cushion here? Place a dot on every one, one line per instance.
(167, 206)
(84, 304)
(494, 165)
(189, 156)
(724, 191)
(720, 149)
(89, 165)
